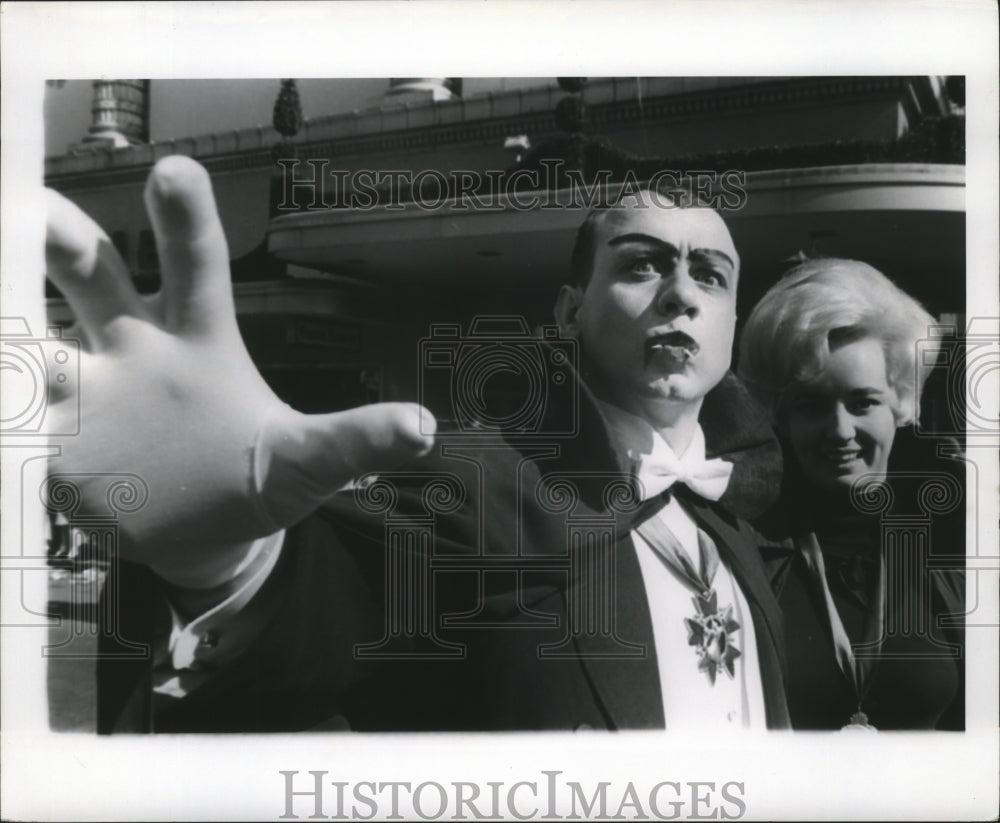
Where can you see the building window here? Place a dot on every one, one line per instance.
(119, 239)
(147, 263)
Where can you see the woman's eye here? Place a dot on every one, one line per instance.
(863, 404)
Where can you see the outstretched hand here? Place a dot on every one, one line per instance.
(167, 392)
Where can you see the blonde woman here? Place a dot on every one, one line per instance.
(832, 348)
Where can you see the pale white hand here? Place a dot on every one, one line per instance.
(168, 392)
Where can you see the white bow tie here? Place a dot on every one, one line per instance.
(659, 470)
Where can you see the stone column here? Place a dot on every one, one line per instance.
(120, 114)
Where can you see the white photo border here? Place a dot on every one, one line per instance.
(887, 776)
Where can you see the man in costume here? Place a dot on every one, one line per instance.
(271, 574)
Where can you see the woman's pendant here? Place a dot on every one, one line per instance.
(859, 722)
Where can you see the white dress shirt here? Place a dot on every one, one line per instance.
(690, 700)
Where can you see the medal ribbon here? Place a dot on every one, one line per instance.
(710, 628)
(856, 673)
(658, 535)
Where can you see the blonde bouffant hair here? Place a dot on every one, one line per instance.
(824, 303)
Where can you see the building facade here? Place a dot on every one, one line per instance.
(356, 236)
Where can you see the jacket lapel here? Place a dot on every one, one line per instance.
(738, 547)
(622, 664)
(618, 654)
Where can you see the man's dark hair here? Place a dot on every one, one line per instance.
(581, 261)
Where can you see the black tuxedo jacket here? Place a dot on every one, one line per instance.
(450, 595)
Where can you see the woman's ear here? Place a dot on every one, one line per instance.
(903, 407)
(567, 306)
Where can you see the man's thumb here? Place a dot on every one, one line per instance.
(302, 459)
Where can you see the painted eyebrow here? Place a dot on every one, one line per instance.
(670, 248)
(714, 254)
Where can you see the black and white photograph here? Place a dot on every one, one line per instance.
(493, 446)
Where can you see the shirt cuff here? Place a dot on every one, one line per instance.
(223, 632)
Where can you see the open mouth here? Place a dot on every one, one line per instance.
(675, 344)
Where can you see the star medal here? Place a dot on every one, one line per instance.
(859, 723)
(709, 632)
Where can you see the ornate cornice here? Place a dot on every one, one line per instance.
(477, 120)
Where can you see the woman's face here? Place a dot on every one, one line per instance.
(840, 423)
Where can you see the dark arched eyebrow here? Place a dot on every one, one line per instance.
(670, 248)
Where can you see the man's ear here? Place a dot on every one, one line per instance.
(567, 305)
(779, 414)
